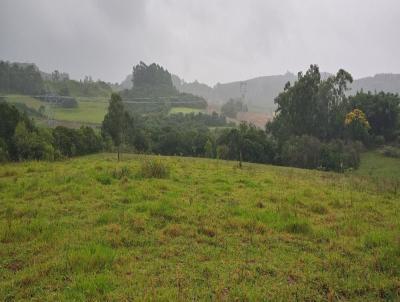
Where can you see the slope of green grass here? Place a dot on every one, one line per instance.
(92, 229)
(375, 164)
(24, 99)
(89, 110)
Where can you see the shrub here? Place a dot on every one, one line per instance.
(337, 156)
(223, 152)
(298, 227)
(154, 168)
(122, 172)
(391, 152)
(3, 151)
(302, 151)
(104, 179)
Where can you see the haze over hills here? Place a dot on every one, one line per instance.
(260, 92)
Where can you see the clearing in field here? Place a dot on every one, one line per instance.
(94, 229)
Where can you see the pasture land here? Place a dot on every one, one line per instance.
(94, 229)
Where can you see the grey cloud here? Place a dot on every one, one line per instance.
(212, 41)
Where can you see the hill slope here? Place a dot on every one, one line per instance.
(91, 229)
(261, 91)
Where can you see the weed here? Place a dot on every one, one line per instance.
(90, 257)
(104, 179)
(154, 168)
(318, 209)
(120, 173)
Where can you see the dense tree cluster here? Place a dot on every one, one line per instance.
(382, 111)
(86, 88)
(20, 78)
(27, 79)
(233, 107)
(153, 91)
(20, 139)
(318, 126)
(175, 134)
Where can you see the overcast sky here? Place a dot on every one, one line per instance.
(211, 41)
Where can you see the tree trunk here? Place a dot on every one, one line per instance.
(118, 152)
(240, 159)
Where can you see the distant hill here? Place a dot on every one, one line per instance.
(387, 82)
(261, 91)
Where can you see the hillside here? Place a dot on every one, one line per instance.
(261, 91)
(92, 229)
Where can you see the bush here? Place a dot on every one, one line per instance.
(391, 152)
(3, 151)
(122, 172)
(154, 168)
(308, 152)
(302, 151)
(36, 144)
(338, 156)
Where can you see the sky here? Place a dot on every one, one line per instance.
(206, 40)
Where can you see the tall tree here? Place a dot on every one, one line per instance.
(113, 124)
(312, 106)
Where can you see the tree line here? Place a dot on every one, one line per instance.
(316, 126)
(21, 78)
(21, 139)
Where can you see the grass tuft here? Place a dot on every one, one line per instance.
(154, 168)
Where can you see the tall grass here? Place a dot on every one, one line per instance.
(154, 168)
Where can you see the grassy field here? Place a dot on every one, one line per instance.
(90, 110)
(185, 110)
(93, 229)
(27, 100)
(375, 164)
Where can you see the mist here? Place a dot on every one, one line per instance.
(213, 41)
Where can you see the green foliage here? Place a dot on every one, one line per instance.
(20, 78)
(390, 151)
(312, 106)
(153, 91)
(338, 156)
(357, 126)
(382, 111)
(232, 107)
(114, 123)
(154, 168)
(73, 142)
(67, 87)
(308, 152)
(3, 151)
(248, 143)
(36, 144)
(302, 151)
(209, 149)
(222, 152)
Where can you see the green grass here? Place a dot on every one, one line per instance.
(185, 110)
(375, 164)
(27, 100)
(94, 229)
(90, 109)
